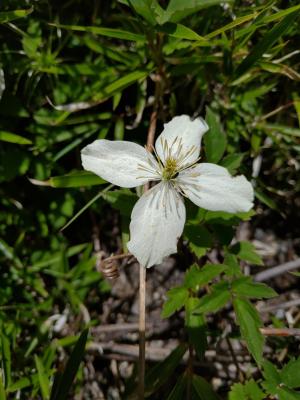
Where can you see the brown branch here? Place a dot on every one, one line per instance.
(278, 270)
(280, 331)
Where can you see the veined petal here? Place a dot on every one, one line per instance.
(122, 163)
(157, 222)
(212, 187)
(181, 138)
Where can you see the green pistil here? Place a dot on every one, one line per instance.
(170, 169)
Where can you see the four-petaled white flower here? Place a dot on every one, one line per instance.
(158, 217)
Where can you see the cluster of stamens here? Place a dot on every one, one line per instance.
(174, 161)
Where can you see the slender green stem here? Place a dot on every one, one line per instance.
(86, 206)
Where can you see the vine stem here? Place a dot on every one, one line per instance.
(142, 288)
(142, 333)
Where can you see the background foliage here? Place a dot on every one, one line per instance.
(76, 71)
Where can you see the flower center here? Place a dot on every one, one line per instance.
(170, 169)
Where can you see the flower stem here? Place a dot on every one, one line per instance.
(142, 328)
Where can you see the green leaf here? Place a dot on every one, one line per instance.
(6, 358)
(148, 9)
(266, 43)
(120, 84)
(249, 321)
(122, 200)
(101, 194)
(233, 267)
(237, 392)
(180, 31)
(290, 374)
(238, 21)
(178, 9)
(176, 298)
(72, 180)
(265, 199)
(215, 140)
(196, 327)
(246, 287)
(160, 373)
(2, 390)
(179, 389)
(246, 251)
(63, 387)
(215, 300)
(285, 393)
(249, 391)
(23, 383)
(282, 69)
(43, 378)
(200, 239)
(12, 15)
(280, 14)
(295, 273)
(282, 129)
(119, 129)
(232, 162)
(109, 32)
(204, 389)
(196, 276)
(272, 377)
(13, 138)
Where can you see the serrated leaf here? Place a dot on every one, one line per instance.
(249, 322)
(214, 140)
(215, 300)
(237, 392)
(270, 373)
(246, 287)
(64, 385)
(160, 373)
(285, 393)
(246, 251)
(247, 391)
(233, 267)
(266, 43)
(196, 276)
(290, 374)
(176, 298)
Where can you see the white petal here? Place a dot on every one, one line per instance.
(157, 222)
(122, 163)
(184, 134)
(212, 187)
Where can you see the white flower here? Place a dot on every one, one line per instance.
(158, 217)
